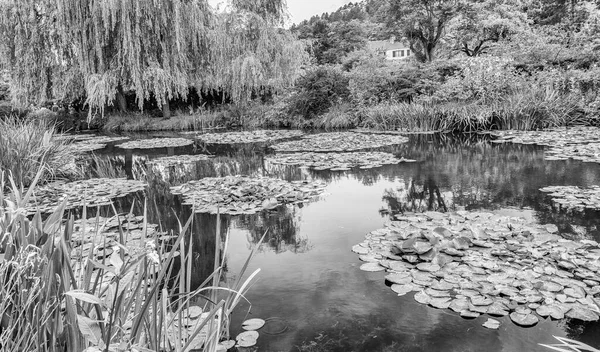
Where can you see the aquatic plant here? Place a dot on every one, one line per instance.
(28, 145)
(339, 142)
(156, 143)
(573, 197)
(476, 263)
(112, 297)
(244, 195)
(82, 193)
(257, 136)
(336, 161)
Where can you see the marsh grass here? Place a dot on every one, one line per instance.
(27, 145)
(50, 301)
(530, 109)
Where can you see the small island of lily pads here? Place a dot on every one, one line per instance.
(91, 193)
(236, 195)
(481, 263)
(573, 197)
(168, 161)
(337, 161)
(258, 136)
(156, 143)
(339, 142)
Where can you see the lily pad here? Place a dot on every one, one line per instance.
(550, 310)
(253, 324)
(247, 339)
(169, 161)
(581, 313)
(491, 324)
(524, 319)
(372, 267)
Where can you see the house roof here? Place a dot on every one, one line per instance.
(385, 45)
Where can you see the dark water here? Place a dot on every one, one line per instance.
(310, 288)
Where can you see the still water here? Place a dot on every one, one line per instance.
(310, 289)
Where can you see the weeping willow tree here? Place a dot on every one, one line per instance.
(57, 49)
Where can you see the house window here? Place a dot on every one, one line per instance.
(407, 52)
(398, 53)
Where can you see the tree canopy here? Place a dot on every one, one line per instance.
(156, 49)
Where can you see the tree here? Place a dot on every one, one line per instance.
(486, 22)
(157, 50)
(423, 22)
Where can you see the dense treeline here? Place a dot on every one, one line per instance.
(475, 64)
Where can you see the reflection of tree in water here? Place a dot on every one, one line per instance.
(281, 227)
(414, 197)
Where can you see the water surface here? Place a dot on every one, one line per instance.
(310, 288)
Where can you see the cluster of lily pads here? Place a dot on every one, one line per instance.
(336, 161)
(550, 137)
(156, 143)
(168, 161)
(88, 142)
(574, 197)
(244, 195)
(482, 263)
(339, 142)
(91, 193)
(257, 136)
(579, 143)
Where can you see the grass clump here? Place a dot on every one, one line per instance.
(28, 145)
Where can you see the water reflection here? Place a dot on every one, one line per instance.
(280, 227)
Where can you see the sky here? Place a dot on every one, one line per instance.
(304, 9)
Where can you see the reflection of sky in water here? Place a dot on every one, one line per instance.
(309, 276)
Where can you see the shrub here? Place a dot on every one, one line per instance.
(317, 90)
(28, 145)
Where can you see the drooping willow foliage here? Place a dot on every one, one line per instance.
(158, 49)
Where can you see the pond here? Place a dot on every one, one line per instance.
(310, 288)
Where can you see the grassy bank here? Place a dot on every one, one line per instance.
(28, 145)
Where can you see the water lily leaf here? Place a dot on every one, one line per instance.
(497, 309)
(481, 301)
(253, 324)
(400, 279)
(401, 290)
(360, 249)
(428, 267)
(371, 267)
(491, 324)
(581, 313)
(550, 310)
(469, 314)
(247, 339)
(461, 243)
(524, 319)
(458, 305)
(440, 302)
(422, 297)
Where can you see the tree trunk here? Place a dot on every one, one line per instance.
(166, 110)
(121, 101)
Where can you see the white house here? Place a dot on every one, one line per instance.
(392, 49)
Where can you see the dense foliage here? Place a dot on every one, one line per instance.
(158, 51)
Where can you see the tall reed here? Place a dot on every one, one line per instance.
(28, 145)
(51, 301)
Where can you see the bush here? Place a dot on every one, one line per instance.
(318, 90)
(28, 145)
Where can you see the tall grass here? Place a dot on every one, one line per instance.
(27, 145)
(50, 301)
(530, 109)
